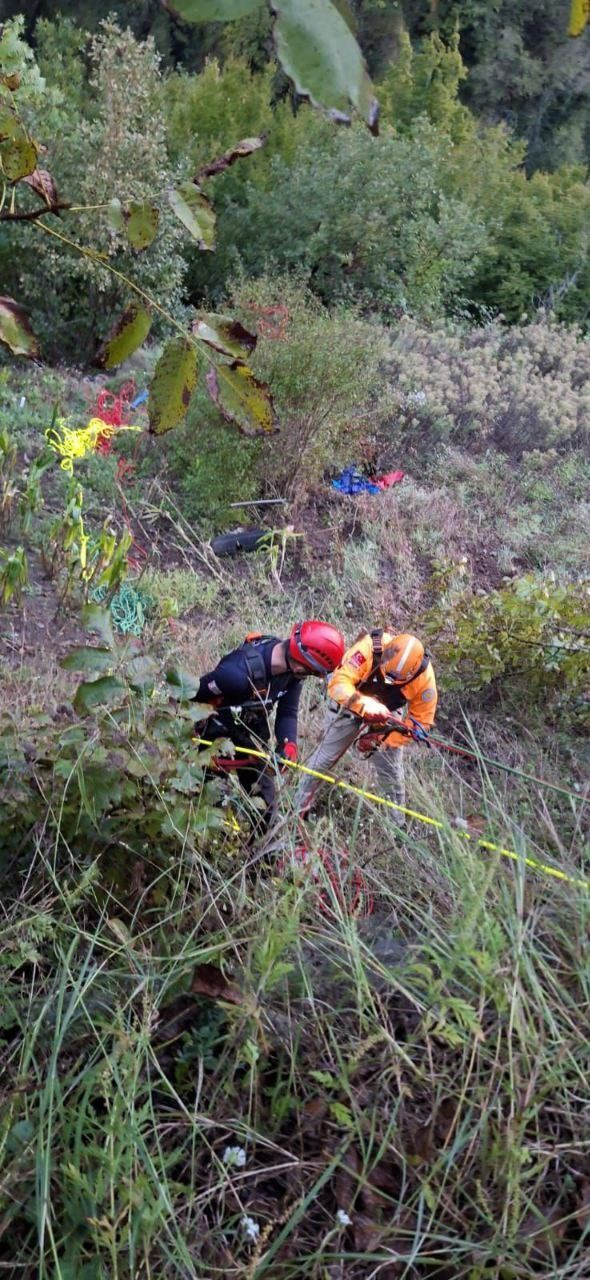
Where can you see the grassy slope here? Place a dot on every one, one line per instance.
(423, 1069)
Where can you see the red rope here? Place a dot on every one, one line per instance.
(349, 886)
(113, 410)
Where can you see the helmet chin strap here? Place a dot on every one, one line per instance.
(288, 660)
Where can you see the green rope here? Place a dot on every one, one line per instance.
(129, 607)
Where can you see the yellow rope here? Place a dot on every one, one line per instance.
(412, 813)
(73, 443)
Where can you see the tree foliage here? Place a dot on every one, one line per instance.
(123, 137)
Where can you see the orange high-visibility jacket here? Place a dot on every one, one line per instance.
(355, 680)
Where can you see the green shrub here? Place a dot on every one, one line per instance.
(323, 368)
(121, 776)
(210, 465)
(531, 633)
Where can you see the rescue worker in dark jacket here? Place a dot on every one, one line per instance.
(248, 682)
(382, 677)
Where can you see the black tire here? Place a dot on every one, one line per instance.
(228, 544)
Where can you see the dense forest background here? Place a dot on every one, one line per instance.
(523, 70)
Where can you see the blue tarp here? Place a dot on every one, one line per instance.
(351, 480)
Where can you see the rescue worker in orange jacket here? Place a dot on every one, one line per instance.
(382, 676)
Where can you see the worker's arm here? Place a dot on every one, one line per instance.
(286, 720)
(227, 685)
(356, 667)
(422, 698)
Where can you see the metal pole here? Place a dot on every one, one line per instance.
(260, 502)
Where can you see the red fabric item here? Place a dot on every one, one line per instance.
(390, 478)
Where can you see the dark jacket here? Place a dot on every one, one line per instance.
(243, 692)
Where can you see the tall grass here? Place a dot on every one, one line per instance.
(409, 1089)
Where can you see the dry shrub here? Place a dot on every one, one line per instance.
(522, 388)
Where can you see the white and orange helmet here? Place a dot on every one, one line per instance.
(402, 658)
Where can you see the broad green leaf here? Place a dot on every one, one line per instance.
(237, 152)
(182, 685)
(125, 337)
(18, 157)
(319, 53)
(88, 658)
(10, 125)
(142, 672)
(212, 10)
(225, 335)
(174, 380)
(15, 330)
(195, 211)
(196, 712)
(94, 618)
(325, 1078)
(141, 224)
(97, 693)
(241, 398)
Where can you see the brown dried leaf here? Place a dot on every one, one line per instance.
(346, 1179)
(209, 981)
(540, 1232)
(43, 185)
(423, 1145)
(476, 823)
(367, 1233)
(243, 148)
(313, 1114)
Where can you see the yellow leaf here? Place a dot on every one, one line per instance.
(579, 17)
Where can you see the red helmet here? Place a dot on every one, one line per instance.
(317, 646)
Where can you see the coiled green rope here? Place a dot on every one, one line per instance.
(129, 607)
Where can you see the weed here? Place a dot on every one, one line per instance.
(14, 575)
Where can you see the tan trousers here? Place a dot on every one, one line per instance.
(340, 731)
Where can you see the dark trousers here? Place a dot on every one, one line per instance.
(256, 779)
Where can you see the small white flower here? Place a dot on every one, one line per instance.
(343, 1219)
(234, 1157)
(251, 1228)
